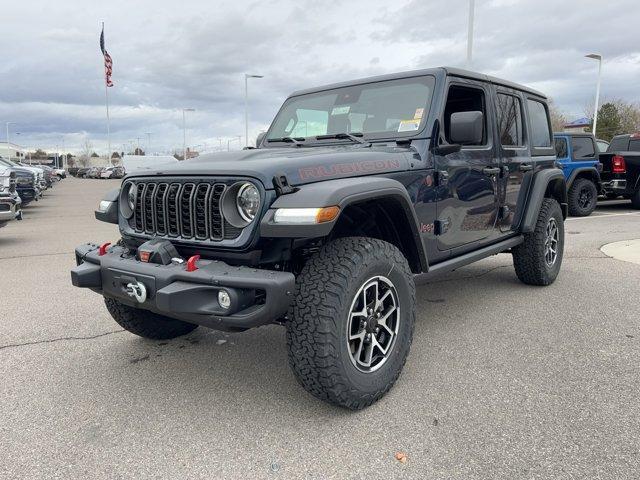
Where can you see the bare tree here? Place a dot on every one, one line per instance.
(558, 118)
(85, 153)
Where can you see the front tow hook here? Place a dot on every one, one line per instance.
(137, 290)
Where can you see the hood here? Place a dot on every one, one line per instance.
(36, 170)
(300, 164)
(22, 172)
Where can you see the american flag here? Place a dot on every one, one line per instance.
(108, 63)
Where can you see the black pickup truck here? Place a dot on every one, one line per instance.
(621, 168)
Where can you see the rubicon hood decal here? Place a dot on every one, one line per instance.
(301, 165)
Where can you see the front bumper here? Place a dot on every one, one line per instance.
(258, 296)
(10, 207)
(27, 194)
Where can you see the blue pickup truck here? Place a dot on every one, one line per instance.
(577, 156)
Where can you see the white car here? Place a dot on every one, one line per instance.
(107, 172)
(112, 172)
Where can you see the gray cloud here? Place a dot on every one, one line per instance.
(170, 55)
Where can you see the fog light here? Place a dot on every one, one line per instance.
(224, 299)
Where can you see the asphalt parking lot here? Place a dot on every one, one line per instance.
(504, 381)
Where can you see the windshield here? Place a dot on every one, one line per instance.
(388, 109)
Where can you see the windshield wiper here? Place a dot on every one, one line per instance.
(296, 141)
(354, 137)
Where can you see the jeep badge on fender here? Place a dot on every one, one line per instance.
(357, 192)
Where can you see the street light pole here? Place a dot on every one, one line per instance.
(246, 106)
(596, 56)
(470, 33)
(8, 147)
(184, 132)
(148, 134)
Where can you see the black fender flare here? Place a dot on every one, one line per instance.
(591, 170)
(342, 193)
(549, 182)
(110, 215)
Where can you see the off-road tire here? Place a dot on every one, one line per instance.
(581, 184)
(145, 323)
(635, 199)
(529, 257)
(317, 343)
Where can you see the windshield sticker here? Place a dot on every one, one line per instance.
(409, 125)
(419, 113)
(343, 110)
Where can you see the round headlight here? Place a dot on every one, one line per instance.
(131, 196)
(248, 201)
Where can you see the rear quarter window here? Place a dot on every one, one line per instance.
(634, 145)
(539, 121)
(583, 148)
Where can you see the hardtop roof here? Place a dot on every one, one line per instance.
(438, 71)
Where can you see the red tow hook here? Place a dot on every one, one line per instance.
(191, 263)
(103, 248)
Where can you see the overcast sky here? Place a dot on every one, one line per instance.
(168, 55)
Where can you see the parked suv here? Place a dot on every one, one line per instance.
(577, 155)
(357, 192)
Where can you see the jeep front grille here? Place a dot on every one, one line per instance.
(188, 210)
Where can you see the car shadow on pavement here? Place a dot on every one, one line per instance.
(252, 367)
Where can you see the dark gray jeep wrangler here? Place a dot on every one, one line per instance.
(357, 192)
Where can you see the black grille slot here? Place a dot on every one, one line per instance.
(190, 210)
(138, 210)
(215, 213)
(173, 223)
(147, 200)
(159, 209)
(200, 210)
(186, 222)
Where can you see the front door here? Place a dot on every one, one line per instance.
(467, 206)
(515, 159)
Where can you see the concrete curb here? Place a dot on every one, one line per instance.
(626, 250)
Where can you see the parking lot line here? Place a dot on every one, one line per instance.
(602, 215)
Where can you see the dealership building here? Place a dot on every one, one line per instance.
(11, 150)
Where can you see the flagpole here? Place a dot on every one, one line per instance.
(106, 96)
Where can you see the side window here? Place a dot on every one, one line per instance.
(582, 148)
(618, 144)
(510, 120)
(540, 128)
(465, 99)
(561, 147)
(634, 146)
(602, 146)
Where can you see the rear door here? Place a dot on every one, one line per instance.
(515, 158)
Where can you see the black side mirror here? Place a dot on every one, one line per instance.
(259, 138)
(466, 127)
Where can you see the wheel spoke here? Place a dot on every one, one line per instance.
(359, 335)
(368, 355)
(380, 301)
(378, 345)
(383, 320)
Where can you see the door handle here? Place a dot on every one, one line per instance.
(491, 170)
(525, 167)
